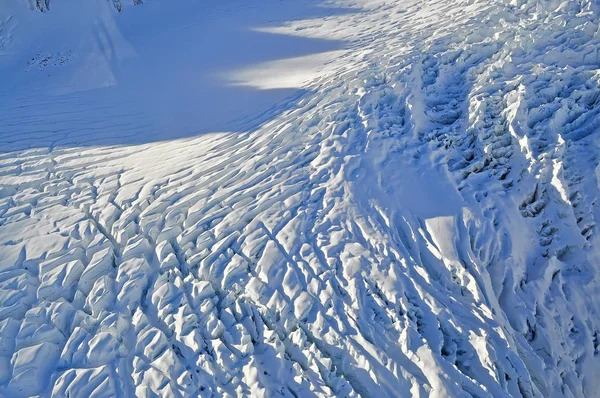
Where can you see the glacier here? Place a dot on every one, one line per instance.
(299, 198)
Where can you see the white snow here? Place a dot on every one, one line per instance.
(299, 198)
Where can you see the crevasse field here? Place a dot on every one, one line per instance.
(299, 198)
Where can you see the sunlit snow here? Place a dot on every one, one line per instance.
(205, 198)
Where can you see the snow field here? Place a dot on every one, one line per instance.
(418, 221)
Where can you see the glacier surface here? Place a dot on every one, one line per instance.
(299, 198)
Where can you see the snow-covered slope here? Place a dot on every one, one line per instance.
(44, 5)
(298, 198)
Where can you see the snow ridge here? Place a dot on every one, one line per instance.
(421, 222)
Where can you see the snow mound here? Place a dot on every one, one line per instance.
(417, 218)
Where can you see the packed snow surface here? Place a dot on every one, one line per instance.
(299, 198)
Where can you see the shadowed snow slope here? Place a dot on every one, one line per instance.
(300, 198)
